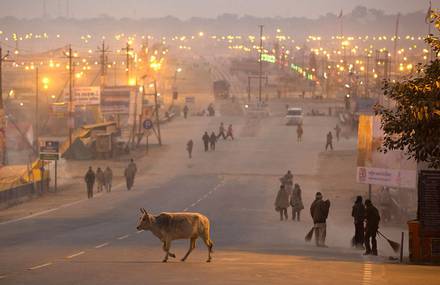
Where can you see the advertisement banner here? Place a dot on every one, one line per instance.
(392, 169)
(123, 100)
(84, 96)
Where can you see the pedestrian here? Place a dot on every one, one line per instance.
(90, 181)
(299, 133)
(206, 139)
(221, 131)
(358, 214)
(100, 179)
(319, 211)
(296, 202)
(212, 141)
(185, 111)
(108, 177)
(287, 178)
(372, 219)
(230, 133)
(338, 132)
(130, 173)
(282, 202)
(329, 141)
(189, 148)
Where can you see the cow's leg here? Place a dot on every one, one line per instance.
(192, 245)
(167, 245)
(169, 253)
(209, 244)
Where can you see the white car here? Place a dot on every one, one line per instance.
(294, 116)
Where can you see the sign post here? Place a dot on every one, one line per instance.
(49, 150)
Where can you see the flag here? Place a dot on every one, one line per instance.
(428, 14)
(341, 14)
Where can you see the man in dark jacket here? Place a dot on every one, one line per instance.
(372, 219)
(185, 111)
(212, 140)
(329, 141)
(319, 212)
(206, 139)
(90, 181)
(130, 173)
(358, 214)
(189, 148)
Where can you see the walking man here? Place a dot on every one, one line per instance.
(185, 111)
(358, 214)
(319, 212)
(372, 219)
(296, 202)
(206, 140)
(282, 202)
(108, 177)
(299, 133)
(130, 173)
(100, 179)
(230, 133)
(329, 141)
(221, 131)
(90, 181)
(212, 141)
(189, 148)
(338, 132)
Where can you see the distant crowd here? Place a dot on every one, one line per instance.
(104, 179)
(210, 140)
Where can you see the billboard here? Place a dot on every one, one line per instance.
(392, 169)
(122, 100)
(84, 96)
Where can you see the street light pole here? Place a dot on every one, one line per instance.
(2, 113)
(261, 64)
(36, 107)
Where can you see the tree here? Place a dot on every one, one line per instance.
(413, 124)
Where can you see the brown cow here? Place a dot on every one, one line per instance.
(173, 226)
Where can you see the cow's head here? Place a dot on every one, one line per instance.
(144, 221)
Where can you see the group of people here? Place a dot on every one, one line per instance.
(366, 223)
(366, 216)
(104, 178)
(210, 140)
(289, 196)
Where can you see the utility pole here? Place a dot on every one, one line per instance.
(156, 110)
(261, 64)
(103, 50)
(2, 113)
(36, 107)
(127, 50)
(70, 118)
(396, 38)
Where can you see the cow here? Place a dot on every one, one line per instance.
(173, 226)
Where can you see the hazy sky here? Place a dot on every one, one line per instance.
(200, 8)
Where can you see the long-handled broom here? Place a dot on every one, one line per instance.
(309, 235)
(394, 245)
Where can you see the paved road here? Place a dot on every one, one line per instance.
(95, 242)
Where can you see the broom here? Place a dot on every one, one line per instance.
(394, 245)
(309, 235)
